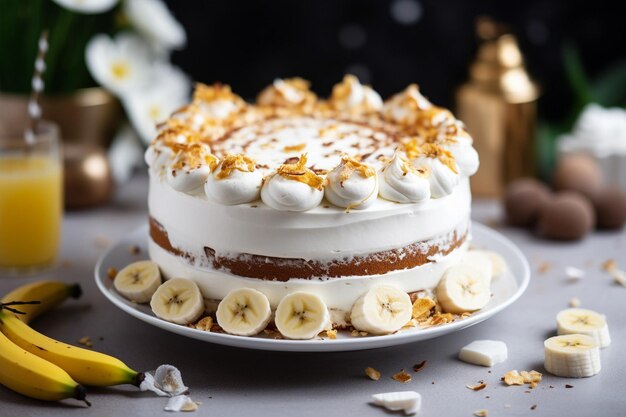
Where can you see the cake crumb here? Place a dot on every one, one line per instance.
(134, 250)
(544, 267)
(331, 334)
(574, 302)
(480, 386)
(111, 273)
(609, 265)
(372, 373)
(481, 413)
(402, 376)
(419, 366)
(569, 386)
(85, 341)
(533, 407)
(205, 324)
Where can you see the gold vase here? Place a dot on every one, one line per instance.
(498, 105)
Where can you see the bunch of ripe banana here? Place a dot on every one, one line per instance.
(43, 368)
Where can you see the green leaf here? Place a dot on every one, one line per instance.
(609, 88)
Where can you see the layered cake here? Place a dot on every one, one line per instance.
(294, 194)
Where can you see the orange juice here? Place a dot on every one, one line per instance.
(30, 210)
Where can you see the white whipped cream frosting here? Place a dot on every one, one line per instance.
(403, 107)
(190, 169)
(285, 194)
(158, 156)
(401, 182)
(460, 146)
(239, 187)
(285, 92)
(355, 192)
(351, 95)
(442, 179)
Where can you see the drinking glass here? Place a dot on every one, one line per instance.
(31, 197)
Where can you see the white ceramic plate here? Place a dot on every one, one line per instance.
(506, 289)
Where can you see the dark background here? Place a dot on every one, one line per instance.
(248, 43)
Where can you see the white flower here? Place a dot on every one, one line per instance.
(87, 6)
(125, 154)
(120, 65)
(154, 21)
(168, 90)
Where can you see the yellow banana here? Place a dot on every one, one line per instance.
(35, 377)
(49, 293)
(85, 366)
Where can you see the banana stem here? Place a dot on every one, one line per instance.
(138, 379)
(7, 306)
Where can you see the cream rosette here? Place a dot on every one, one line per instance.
(217, 101)
(405, 107)
(444, 171)
(235, 180)
(291, 92)
(455, 138)
(191, 168)
(293, 187)
(352, 184)
(352, 96)
(402, 182)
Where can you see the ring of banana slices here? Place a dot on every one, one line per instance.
(383, 309)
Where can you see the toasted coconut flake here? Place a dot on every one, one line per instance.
(295, 148)
(85, 341)
(352, 165)
(372, 373)
(205, 324)
(574, 273)
(299, 172)
(544, 267)
(481, 413)
(195, 156)
(237, 162)
(402, 376)
(422, 307)
(217, 91)
(513, 378)
(574, 302)
(419, 366)
(480, 386)
(331, 334)
(609, 265)
(112, 273)
(619, 277)
(414, 149)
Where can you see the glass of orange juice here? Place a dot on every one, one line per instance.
(31, 197)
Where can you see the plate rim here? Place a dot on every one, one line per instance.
(320, 345)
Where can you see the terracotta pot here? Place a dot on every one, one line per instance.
(89, 115)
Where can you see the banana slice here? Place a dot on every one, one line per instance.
(462, 288)
(480, 261)
(582, 321)
(498, 264)
(138, 281)
(381, 310)
(244, 312)
(178, 300)
(301, 315)
(572, 356)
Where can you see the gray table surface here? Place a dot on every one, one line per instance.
(237, 382)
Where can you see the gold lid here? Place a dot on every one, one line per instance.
(499, 64)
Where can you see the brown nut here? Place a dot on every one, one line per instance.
(568, 216)
(523, 201)
(610, 205)
(578, 172)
